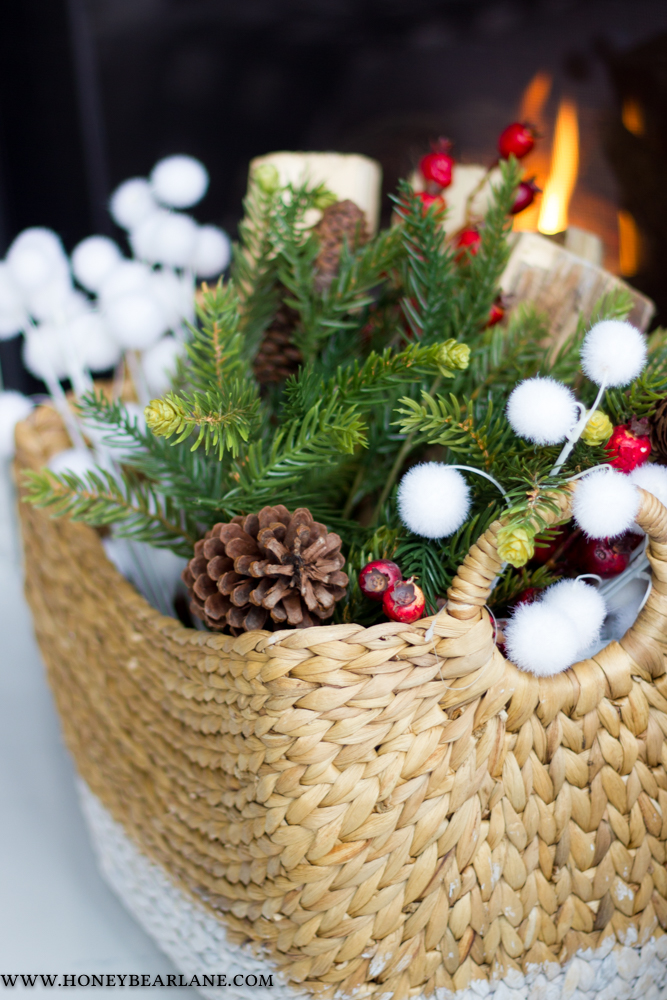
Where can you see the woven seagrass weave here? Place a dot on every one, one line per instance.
(382, 814)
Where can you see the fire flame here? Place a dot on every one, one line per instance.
(563, 174)
(534, 98)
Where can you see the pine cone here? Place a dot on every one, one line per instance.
(278, 357)
(340, 221)
(658, 431)
(277, 564)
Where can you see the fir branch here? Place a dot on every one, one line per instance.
(223, 419)
(254, 266)
(366, 384)
(215, 350)
(457, 426)
(175, 470)
(319, 440)
(100, 499)
(428, 270)
(338, 307)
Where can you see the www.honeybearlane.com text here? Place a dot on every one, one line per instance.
(21, 980)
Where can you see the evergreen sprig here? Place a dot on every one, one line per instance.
(132, 504)
(223, 419)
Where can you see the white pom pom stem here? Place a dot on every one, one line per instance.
(173, 240)
(179, 181)
(652, 478)
(605, 504)
(542, 410)
(35, 257)
(541, 639)
(159, 364)
(13, 407)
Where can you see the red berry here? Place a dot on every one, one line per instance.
(437, 167)
(376, 577)
(468, 243)
(404, 602)
(603, 556)
(525, 196)
(496, 314)
(629, 445)
(527, 596)
(546, 547)
(518, 138)
(428, 200)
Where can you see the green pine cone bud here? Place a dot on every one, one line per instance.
(162, 417)
(454, 355)
(598, 429)
(324, 199)
(516, 545)
(266, 177)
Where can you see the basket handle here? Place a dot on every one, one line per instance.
(471, 587)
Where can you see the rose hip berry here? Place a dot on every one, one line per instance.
(468, 242)
(437, 167)
(376, 578)
(629, 445)
(404, 602)
(525, 196)
(518, 139)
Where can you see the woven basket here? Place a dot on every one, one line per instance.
(376, 814)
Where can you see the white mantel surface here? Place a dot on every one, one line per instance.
(56, 913)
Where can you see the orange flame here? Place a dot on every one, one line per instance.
(534, 98)
(563, 174)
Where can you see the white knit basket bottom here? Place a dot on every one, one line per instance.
(197, 943)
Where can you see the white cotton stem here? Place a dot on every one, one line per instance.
(138, 378)
(470, 468)
(577, 431)
(428, 635)
(59, 398)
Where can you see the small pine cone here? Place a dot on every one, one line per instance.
(658, 431)
(278, 357)
(342, 220)
(273, 567)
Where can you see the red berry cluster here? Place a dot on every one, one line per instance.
(402, 600)
(436, 169)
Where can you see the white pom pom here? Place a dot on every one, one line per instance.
(132, 202)
(159, 364)
(13, 315)
(613, 352)
(212, 252)
(93, 259)
(652, 478)
(135, 320)
(542, 410)
(605, 504)
(127, 276)
(56, 302)
(179, 181)
(175, 294)
(541, 640)
(35, 257)
(90, 341)
(44, 352)
(13, 408)
(433, 500)
(166, 238)
(582, 604)
(78, 461)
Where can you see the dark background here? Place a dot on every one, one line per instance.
(95, 91)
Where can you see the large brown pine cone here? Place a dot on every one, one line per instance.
(658, 431)
(341, 221)
(273, 567)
